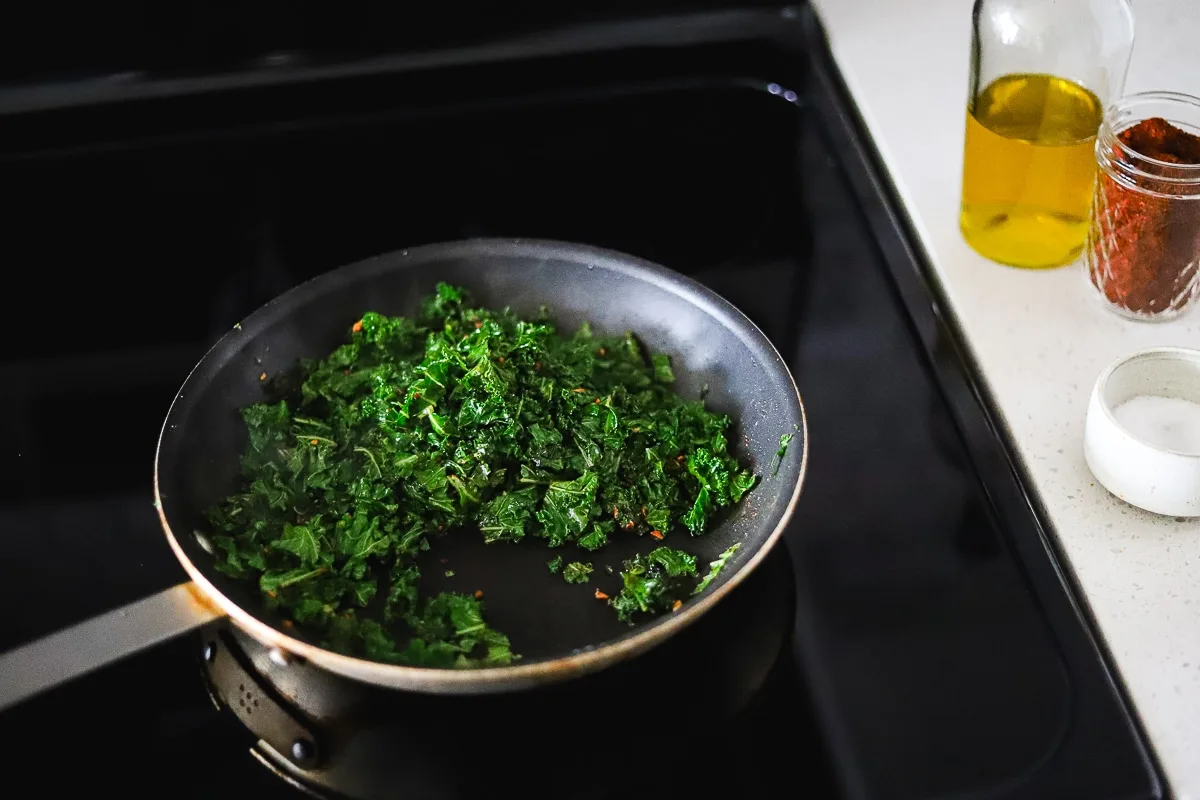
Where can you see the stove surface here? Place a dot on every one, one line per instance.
(150, 724)
(927, 656)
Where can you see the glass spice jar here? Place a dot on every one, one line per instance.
(1143, 248)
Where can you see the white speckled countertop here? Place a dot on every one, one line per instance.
(1041, 340)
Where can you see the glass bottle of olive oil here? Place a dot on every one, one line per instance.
(1029, 165)
(1028, 170)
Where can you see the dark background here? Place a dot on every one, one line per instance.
(130, 40)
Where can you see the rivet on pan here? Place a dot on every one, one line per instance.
(278, 657)
(203, 541)
(210, 651)
(301, 750)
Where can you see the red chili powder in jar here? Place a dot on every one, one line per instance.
(1146, 244)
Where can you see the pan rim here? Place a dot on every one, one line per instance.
(496, 679)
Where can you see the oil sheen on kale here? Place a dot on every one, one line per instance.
(465, 421)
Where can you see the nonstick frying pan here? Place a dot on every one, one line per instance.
(560, 630)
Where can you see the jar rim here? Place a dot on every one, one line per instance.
(1127, 105)
(1129, 178)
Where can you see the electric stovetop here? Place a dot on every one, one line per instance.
(930, 644)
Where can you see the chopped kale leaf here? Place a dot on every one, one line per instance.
(654, 582)
(784, 441)
(596, 539)
(715, 567)
(577, 572)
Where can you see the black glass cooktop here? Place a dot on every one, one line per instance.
(936, 651)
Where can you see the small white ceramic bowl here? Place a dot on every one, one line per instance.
(1165, 481)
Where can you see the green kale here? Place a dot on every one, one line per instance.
(577, 572)
(784, 441)
(567, 508)
(654, 582)
(596, 539)
(451, 629)
(462, 417)
(555, 564)
(715, 567)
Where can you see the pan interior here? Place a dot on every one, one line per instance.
(712, 346)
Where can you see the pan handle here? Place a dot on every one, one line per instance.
(75, 651)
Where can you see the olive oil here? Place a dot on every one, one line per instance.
(1028, 170)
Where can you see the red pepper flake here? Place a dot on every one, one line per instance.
(629, 525)
(603, 352)
(478, 324)
(643, 511)
(601, 595)
(356, 327)
(537, 365)
(680, 457)
(313, 441)
(597, 401)
(479, 594)
(580, 390)
(287, 623)
(1143, 252)
(616, 511)
(272, 593)
(416, 395)
(441, 527)
(262, 377)
(678, 604)
(345, 372)
(657, 534)
(501, 359)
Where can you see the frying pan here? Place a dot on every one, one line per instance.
(560, 630)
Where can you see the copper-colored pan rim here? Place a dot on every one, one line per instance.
(496, 679)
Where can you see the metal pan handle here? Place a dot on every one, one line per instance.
(75, 651)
